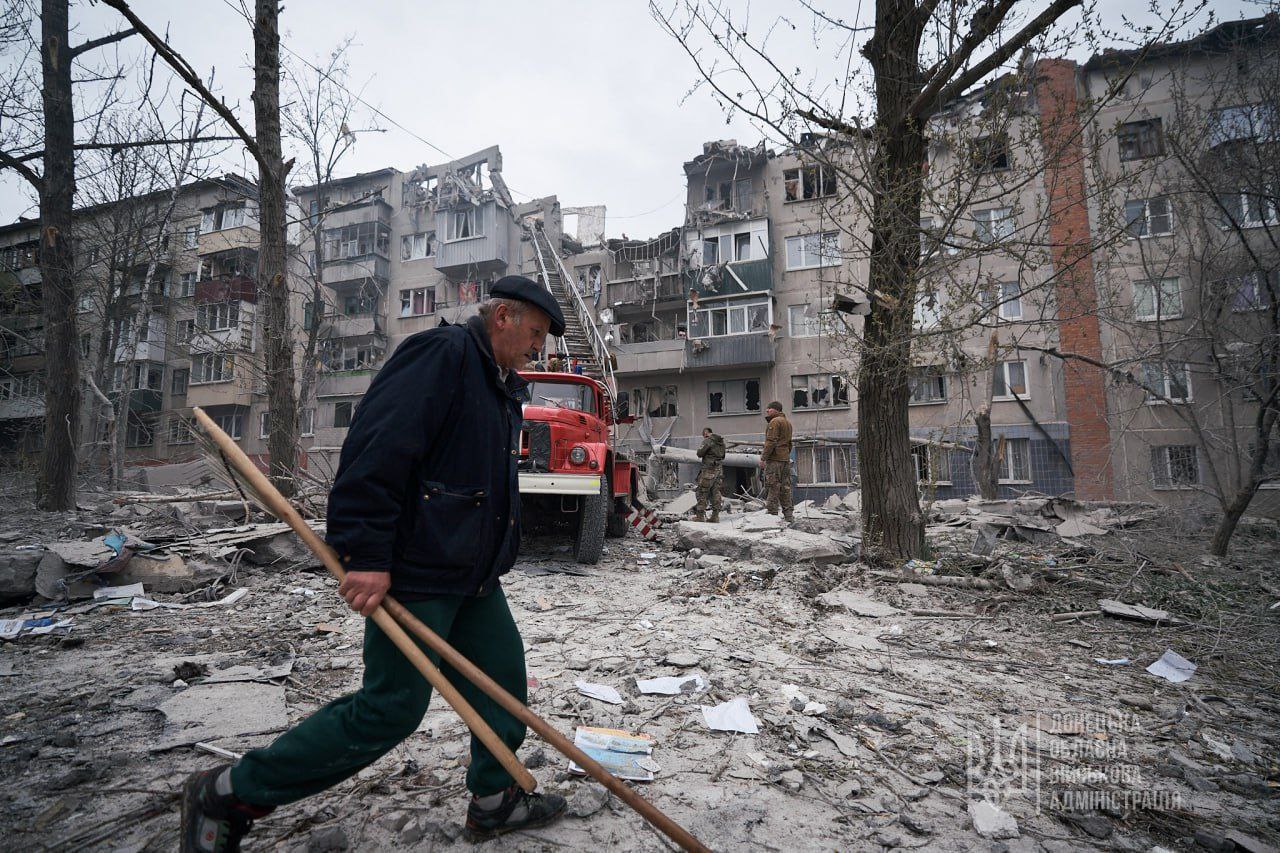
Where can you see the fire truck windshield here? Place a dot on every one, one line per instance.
(562, 395)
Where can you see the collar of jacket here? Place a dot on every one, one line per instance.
(515, 384)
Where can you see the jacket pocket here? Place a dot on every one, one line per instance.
(449, 527)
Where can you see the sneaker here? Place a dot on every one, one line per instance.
(518, 810)
(213, 822)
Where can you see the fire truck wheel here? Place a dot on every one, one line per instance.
(615, 526)
(589, 541)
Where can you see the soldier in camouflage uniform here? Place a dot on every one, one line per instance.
(776, 461)
(711, 476)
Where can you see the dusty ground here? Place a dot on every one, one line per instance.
(906, 738)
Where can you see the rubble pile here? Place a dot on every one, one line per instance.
(785, 694)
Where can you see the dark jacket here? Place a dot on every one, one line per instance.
(777, 439)
(427, 486)
(712, 450)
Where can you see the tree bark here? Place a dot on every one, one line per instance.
(892, 521)
(273, 285)
(58, 467)
(984, 463)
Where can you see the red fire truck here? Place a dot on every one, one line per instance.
(570, 463)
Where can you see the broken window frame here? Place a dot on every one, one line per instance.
(805, 326)
(932, 464)
(928, 385)
(723, 394)
(463, 223)
(417, 247)
(667, 407)
(808, 183)
(180, 431)
(719, 319)
(343, 412)
(1140, 140)
(417, 302)
(820, 391)
(990, 154)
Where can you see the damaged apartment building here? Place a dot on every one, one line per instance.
(711, 321)
(168, 320)
(398, 253)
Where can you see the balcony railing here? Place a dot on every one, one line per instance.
(755, 348)
(650, 356)
(644, 291)
(229, 288)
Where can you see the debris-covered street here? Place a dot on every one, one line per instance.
(876, 699)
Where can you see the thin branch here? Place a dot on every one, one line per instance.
(119, 146)
(939, 91)
(93, 44)
(188, 74)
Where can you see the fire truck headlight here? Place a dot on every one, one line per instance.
(578, 455)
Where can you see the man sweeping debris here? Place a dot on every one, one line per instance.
(775, 459)
(710, 476)
(425, 505)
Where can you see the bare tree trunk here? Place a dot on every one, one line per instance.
(282, 444)
(984, 462)
(891, 515)
(57, 486)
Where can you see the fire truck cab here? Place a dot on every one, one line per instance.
(569, 460)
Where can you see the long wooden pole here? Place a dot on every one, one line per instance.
(276, 504)
(283, 510)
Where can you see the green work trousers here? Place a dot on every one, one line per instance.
(350, 733)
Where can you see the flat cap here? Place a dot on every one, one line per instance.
(528, 290)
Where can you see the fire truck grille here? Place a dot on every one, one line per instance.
(538, 441)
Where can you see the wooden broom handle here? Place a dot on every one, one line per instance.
(283, 510)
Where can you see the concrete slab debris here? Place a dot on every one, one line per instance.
(991, 821)
(858, 605)
(211, 712)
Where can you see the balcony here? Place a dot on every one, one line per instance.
(23, 407)
(239, 237)
(236, 338)
(208, 394)
(334, 326)
(344, 383)
(372, 209)
(731, 279)
(360, 268)
(670, 288)
(484, 253)
(749, 350)
(227, 288)
(650, 357)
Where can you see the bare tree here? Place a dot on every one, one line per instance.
(56, 186)
(957, 124)
(265, 147)
(319, 122)
(1193, 299)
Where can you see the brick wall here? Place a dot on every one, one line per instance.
(1064, 178)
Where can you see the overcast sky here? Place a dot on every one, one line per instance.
(588, 100)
